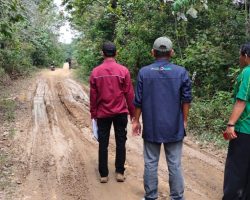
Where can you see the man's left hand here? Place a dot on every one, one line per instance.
(230, 133)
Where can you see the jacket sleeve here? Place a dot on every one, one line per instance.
(186, 90)
(93, 97)
(129, 94)
(138, 91)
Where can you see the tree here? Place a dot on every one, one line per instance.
(28, 35)
(206, 36)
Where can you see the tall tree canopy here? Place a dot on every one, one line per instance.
(28, 35)
(206, 35)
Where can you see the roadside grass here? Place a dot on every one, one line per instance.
(4, 172)
(208, 138)
(12, 133)
(3, 159)
(7, 133)
(7, 187)
(7, 109)
(81, 75)
(208, 119)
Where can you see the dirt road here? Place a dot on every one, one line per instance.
(57, 156)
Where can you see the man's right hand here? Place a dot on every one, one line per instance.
(136, 128)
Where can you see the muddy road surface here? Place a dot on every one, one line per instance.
(56, 156)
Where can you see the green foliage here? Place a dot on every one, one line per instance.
(209, 64)
(17, 58)
(68, 50)
(207, 46)
(207, 118)
(88, 58)
(28, 36)
(46, 50)
(141, 55)
(10, 13)
(214, 40)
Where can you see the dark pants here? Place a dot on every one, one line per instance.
(120, 126)
(237, 169)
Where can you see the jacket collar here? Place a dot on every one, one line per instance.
(162, 60)
(109, 60)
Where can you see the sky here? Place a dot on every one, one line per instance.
(66, 33)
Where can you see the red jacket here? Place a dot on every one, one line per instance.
(111, 90)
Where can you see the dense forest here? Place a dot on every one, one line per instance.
(28, 36)
(207, 36)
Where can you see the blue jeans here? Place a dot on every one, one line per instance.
(173, 152)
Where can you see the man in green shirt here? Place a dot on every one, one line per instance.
(237, 168)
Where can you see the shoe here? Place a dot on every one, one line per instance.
(104, 179)
(120, 177)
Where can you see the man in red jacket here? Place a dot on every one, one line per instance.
(111, 99)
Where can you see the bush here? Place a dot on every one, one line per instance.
(210, 65)
(134, 55)
(207, 118)
(17, 60)
(88, 59)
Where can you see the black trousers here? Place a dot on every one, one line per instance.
(120, 126)
(237, 169)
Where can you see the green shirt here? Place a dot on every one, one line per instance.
(242, 92)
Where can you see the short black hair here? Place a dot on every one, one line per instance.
(160, 54)
(109, 49)
(245, 49)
